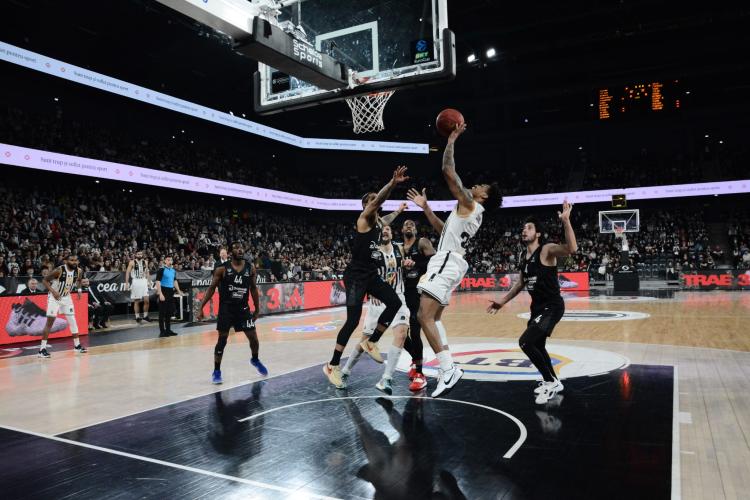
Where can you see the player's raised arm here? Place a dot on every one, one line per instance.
(420, 199)
(215, 280)
(388, 219)
(571, 245)
(371, 209)
(463, 195)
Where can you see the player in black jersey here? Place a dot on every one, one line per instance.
(538, 266)
(361, 278)
(236, 280)
(418, 252)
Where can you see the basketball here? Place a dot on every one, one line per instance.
(447, 120)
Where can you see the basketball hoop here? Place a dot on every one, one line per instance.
(367, 109)
(619, 232)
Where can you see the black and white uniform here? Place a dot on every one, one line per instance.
(234, 295)
(412, 277)
(547, 305)
(447, 267)
(139, 280)
(391, 271)
(362, 276)
(64, 285)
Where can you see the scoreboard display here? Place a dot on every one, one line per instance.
(639, 99)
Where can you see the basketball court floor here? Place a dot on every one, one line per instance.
(654, 406)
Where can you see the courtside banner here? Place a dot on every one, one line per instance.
(572, 282)
(22, 318)
(283, 297)
(730, 279)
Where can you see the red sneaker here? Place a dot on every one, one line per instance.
(412, 371)
(419, 383)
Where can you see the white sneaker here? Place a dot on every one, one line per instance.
(556, 385)
(547, 393)
(447, 379)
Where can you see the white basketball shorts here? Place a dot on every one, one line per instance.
(444, 273)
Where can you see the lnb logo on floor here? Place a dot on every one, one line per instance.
(505, 361)
(595, 315)
(304, 328)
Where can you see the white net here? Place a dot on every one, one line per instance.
(367, 111)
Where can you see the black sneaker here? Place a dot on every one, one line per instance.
(103, 325)
(79, 349)
(44, 354)
(147, 319)
(138, 320)
(170, 333)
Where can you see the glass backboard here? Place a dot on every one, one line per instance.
(611, 219)
(385, 44)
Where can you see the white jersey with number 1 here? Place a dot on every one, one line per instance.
(447, 267)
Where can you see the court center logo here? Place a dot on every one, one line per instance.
(316, 327)
(595, 315)
(613, 298)
(505, 361)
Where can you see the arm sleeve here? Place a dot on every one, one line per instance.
(159, 274)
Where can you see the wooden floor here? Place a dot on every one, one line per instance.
(705, 335)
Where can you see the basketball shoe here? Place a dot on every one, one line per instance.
(418, 383)
(333, 372)
(371, 348)
(557, 386)
(447, 379)
(385, 386)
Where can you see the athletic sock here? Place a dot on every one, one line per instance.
(336, 359)
(394, 353)
(353, 358)
(76, 342)
(445, 359)
(44, 345)
(442, 332)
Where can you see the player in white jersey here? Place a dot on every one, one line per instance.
(137, 271)
(391, 261)
(60, 283)
(448, 266)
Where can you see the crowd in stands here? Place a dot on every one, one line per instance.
(42, 225)
(739, 241)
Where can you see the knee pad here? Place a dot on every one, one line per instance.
(221, 343)
(72, 323)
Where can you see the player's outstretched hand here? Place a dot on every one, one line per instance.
(460, 129)
(419, 199)
(494, 307)
(399, 175)
(565, 214)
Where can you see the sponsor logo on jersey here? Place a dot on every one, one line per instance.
(505, 361)
(590, 315)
